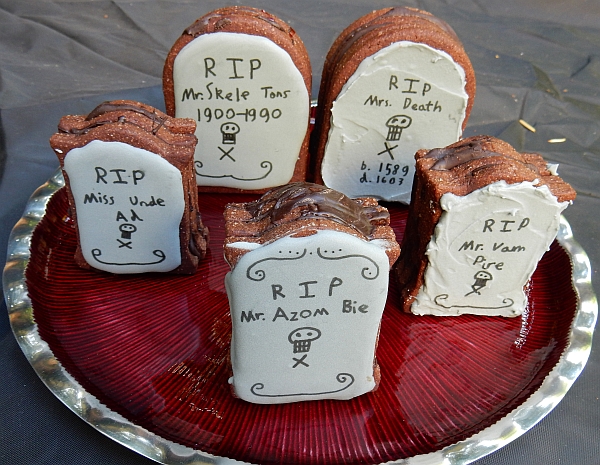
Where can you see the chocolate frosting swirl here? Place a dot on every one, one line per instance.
(468, 150)
(451, 157)
(128, 120)
(218, 19)
(106, 107)
(307, 200)
(388, 19)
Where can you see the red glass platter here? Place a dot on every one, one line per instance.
(144, 358)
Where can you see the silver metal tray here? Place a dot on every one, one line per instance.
(90, 409)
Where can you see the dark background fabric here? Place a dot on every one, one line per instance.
(536, 60)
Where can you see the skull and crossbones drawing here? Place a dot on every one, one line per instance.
(301, 339)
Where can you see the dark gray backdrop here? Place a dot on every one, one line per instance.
(537, 60)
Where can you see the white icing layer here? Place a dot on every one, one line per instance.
(244, 245)
(306, 314)
(251, 107)
(129, 204)
(405, 97)
(485, 248)
(553, 168)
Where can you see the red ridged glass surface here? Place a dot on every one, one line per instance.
(155, 349)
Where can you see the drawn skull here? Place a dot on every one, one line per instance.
(395, 126)
(229, 131)
(126, 230)
(483, 275)
(301, 338)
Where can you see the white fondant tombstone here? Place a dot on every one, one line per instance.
(306, 314)
(485, 249)
(130, 203)
(251, 107)
(405, 97)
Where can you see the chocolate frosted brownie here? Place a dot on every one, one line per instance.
(244, 75)
(481, 218)
(307, 290)
(129, 176)
(395, 81)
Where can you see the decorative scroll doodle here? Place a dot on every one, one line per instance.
(158, 253)
(259, 274)
(263, 164)
(302, 317)
(343, 378)
(366, 272)
(507, 302)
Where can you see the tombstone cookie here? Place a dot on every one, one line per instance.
(395, 81)
(307, 290)
(129, 176)
(481, 218)
(245, 77)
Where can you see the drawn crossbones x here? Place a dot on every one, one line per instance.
(300, 361)
(226, 153)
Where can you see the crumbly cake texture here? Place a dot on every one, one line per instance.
(460, 169)
(365, 37)
(251, 21)
(143, 127)
(302, 209)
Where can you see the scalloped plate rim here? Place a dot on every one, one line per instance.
(152, 446)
